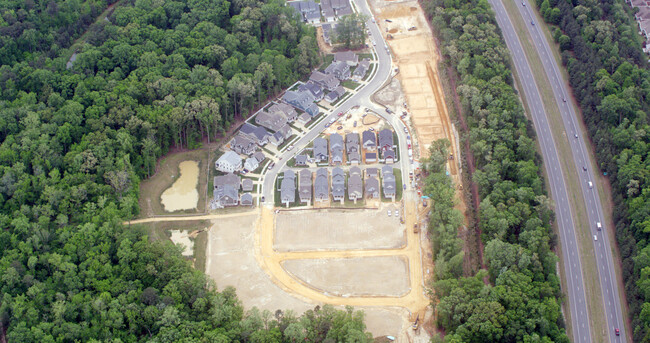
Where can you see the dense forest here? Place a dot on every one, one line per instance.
(601, 49)
(74, 143)
(518, 297)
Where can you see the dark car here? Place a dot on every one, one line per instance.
(617, 331)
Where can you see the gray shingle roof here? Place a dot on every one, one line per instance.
(352, 142)
(321, 189)
(338, 182)
(288, 187)
(246, 199)
(247, 185)
(369, 139)
(372, 186)
(320, 149)
(304, 185)
(346, 56)
(301, 160)
(355, 186)
(385, 138)
(355, 170)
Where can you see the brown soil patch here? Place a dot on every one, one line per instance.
(370, 119)
(392, 31)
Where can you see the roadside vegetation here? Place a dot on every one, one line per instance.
(75, 143)
(601, 50)
(517, 299)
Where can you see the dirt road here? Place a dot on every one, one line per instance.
(270, 260)
(191, 217)
(411, 41)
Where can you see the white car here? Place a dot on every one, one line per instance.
(389, 213)
(396, 213)
(595, 238)
(599, 226)
(591, 185)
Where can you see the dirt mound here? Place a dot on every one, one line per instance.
(369, 119)
(392, 31)
(413, 9)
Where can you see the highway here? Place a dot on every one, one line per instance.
(361, 97)
(585, 170)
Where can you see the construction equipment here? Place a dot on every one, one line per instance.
(416, 324)
(415, 228)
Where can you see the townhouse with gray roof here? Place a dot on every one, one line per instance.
(369, 140)
(327, 81)
(372, 188)
(321, 186)
(340, 70)
(340, 7)
(338, 184)
(348, 57)
(389, 156)
(251, 164)
(276, 139)
(285, 110)
(386, 139)
(372, 172)
(256, 133)
(259, 156)
(371, 157)
(321, 154)
(355, 187)
(229, 162)
(362, 69)
(226, 190)
(241, 144)
(288, 188)
(309, 10)
(336, 148)
(352, 148)
(246, 185)
(304, 186)
(388, 182)
(246, 199)
(315, 89)
(335, 94)
(301, 160)
(301, 100)
(272, 121)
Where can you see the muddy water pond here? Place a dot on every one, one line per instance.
(183, 194)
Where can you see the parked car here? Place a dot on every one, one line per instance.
(389, 213)
(372, 129)
(354, 124)
(340, 114)
(339, 128)
(406, 130)
(396, 213)
(290, 147)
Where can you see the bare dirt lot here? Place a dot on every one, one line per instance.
(231, 262)
(365, 276)
(416, 58)
(337, 229)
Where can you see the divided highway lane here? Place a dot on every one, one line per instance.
(564, 215)
(583, 165)
(383, 72)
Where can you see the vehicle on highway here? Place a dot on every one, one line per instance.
(584, 168)
(389, 213)
(599, 226)
(575, 135)
(564, 99)
(595, 238)
(617, 331)
(591, 185)
(523, 3)
(532, 23)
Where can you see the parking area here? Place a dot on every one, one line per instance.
(338, 230)
(365, 276)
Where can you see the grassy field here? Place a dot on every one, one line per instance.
(583, 232)
(160, 231)
(166, 173)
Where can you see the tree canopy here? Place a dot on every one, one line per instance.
(520, 300)
(76, 138)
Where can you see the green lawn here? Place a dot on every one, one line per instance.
(327, 60)
(341, 99)
(369, 73)
(350, 84)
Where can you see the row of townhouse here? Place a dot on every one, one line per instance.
(332, 152)
(330, 10)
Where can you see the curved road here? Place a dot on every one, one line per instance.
(584, 167)
(361, 97)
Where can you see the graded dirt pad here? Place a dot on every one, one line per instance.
(417, 58)
(365, 276)
(182, 238)
(230, 261)
(337, 230)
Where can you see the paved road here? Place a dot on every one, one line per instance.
(584, 168)
(564, 215)
(361, 97)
